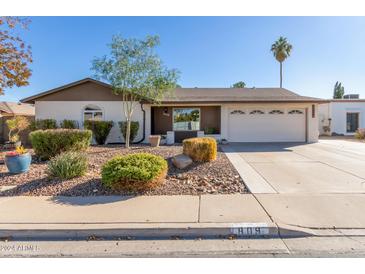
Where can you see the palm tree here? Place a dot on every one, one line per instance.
(281, 50)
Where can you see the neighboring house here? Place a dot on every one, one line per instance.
(342, 116)
(234, 114)
(10, 109)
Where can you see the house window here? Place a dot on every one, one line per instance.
(295, 111)
(93, 113)
(237, 112)
(352, 122)
(276, 111)
(256, 111)
(186, 119)
(313, 111)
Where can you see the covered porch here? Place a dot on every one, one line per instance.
(186, 121)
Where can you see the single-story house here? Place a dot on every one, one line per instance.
(233, 114)
(341, 116)
(10, 109)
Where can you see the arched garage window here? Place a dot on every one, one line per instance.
(92, 112)
(237, 111)
(295, 111)
(276, 111)
(257, 111)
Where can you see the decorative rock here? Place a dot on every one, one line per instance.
(182, 161)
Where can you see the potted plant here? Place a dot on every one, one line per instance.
(155, 140)
(327, 130)
(224, 141)
(18, 161)
(2, 156)
(15, 126)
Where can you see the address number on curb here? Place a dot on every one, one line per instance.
(247, 229)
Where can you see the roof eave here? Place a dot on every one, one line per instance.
(318, 101)
(31, 99)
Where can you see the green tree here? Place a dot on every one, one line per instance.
(15, 55)
(338, 91)
(239, 84)
(136, 73)
(281, 50)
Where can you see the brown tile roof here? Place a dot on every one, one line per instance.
(237, 95)
(17, 108)
(184, 95)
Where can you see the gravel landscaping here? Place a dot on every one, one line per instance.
(217, 177)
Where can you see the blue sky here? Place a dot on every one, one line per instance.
(208, 51)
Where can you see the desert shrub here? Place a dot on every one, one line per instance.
(360, 133)
(69, 124)
(48, 143)
(100, 129)
(202, 149)
(43, 124)
(67, 165)
(134, 172)
(134, 130)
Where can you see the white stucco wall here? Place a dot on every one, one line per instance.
(112, 110)
(313, 132)
(73, 110)
(337, 112)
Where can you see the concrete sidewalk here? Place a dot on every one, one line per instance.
(143, 216)
(235, 208)
(262, 215)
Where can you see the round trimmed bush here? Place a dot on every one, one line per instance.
(67, 165)
(134, 172)
(201, 149)
(48, 143)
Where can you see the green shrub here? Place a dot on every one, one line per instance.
(48, 143)
(134, 130)
(67, 165)
(360, 133)
(100, 129)
(71, 124)
(202, 149)
(134, 172)
(43, 124)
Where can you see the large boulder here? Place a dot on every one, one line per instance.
(182, 161)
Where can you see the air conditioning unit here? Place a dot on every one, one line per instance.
(351, 96)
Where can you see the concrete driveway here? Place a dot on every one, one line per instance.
(320, 185)
(329, 166)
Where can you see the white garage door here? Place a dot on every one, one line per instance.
(266, 125)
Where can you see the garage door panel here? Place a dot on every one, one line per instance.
(266, 127)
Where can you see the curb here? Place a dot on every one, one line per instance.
(137, 231)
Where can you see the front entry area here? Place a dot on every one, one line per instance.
(267, 125)
(185, 121)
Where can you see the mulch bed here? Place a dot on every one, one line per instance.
(217, 177)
